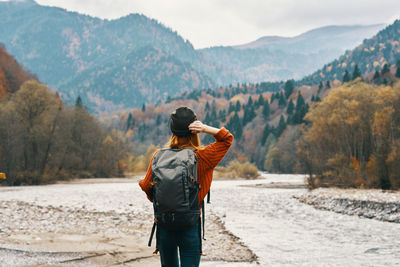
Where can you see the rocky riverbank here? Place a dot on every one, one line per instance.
(94, 224)
(372, 204)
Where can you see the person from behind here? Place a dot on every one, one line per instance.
(177, 180)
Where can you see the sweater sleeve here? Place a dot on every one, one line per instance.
(214, 153)
(145, 183)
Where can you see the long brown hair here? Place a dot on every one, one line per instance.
(180, 142)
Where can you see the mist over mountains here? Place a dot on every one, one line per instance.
(132, 60)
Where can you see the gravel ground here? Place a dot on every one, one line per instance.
(372, 204)
(93, 224)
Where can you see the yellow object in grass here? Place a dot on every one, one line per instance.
(3, 175)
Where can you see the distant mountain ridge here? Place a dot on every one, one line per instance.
(321, 38)
(81, 55)
(370, 56)
(274, 58)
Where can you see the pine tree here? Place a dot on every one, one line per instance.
(273, 97)
(234, 125)
(281, 127)
(78, 102)
(231, 108)
(398, 68)
(282, 100)
(267, 130)
(130, 122)
(213, 116)
(300, 110)
(266, 109)
(207, 119)
(385, 69)
(299, 102)
(289, 87)
(250, 102)
(290, 107)
(328, 84)
(356, 72)
(144, 107)
(376, 76)
(207, 107)
(320, 87)
(260, 101)
(346, 76)
(226, 94)
(249, 115)
(238, 106)
(222, 115)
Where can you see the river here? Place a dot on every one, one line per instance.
(281, 231)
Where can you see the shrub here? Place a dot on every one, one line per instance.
(235, 170)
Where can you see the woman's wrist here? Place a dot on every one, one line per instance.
(210, 130)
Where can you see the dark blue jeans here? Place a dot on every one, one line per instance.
(188, 242)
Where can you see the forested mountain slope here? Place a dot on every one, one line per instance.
(80, 55)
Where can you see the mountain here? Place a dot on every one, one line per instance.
(370, 56)
(133, 60)
(148, 72)
(61, 46)
(319, 39)
(273, 58)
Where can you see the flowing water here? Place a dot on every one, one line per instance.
(281, 231)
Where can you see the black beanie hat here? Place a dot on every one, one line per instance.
(181, 118)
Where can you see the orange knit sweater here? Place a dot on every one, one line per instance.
(208, 160)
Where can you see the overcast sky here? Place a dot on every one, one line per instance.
(229, 22)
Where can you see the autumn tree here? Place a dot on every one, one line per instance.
(352, 137)
(43, 140)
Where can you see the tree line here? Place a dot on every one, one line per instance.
(353, 137)
(42, 140)
(256, 120)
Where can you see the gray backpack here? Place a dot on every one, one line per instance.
(175, 191)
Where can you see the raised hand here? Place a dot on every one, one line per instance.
(196, 127)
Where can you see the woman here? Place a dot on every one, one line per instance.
(185, 129)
